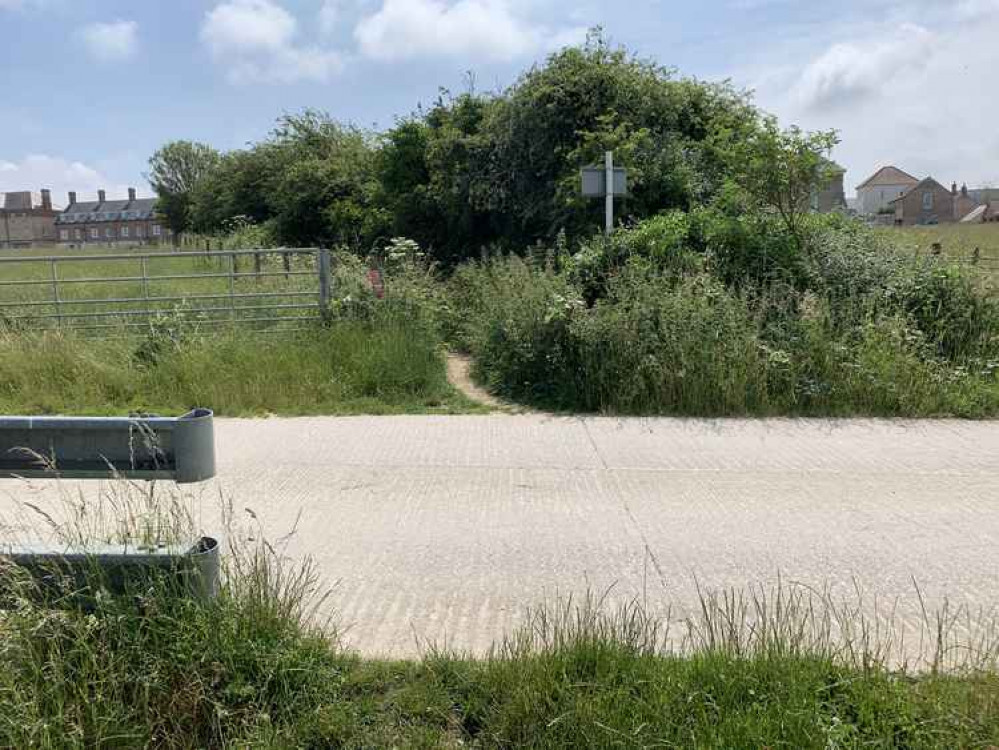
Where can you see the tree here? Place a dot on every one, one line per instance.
(504, 168)
(782, 169)
(174, 172)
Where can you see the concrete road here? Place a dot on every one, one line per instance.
(445, 529)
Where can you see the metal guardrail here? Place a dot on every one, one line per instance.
(87, 448)
(52, 298)
(74, 577)
(181, 448)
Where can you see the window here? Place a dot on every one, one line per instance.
(109, 232)
(124, 231)
(927, 201)
(63, 234)
(156, 230)
(95, 233)
(79, 234)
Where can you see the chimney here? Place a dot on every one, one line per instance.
(102, 196)
(46, 199)
(72, 197)
(131, 195)
(964, 190)
(953, 189)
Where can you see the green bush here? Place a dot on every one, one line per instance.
(650, 322)
(517, 320)
(661, 244)
(654, 347)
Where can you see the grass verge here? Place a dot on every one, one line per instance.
(248, 671)
(354, 367)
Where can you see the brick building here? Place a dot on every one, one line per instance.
(926, 202)
(103, 222)
(27, 219)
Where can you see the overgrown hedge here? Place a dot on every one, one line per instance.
(673, 316)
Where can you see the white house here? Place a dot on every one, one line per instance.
(875, 195)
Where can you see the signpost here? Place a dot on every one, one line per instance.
(595, 185)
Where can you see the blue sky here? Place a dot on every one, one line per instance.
(92, 87)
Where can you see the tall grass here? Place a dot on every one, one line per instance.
(860, 329)
(390, 365)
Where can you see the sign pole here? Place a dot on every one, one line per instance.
(609, 165)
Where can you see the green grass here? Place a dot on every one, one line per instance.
(249, 672)
(354, 367)
(958, 241)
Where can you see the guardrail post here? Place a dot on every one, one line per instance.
(324, 284)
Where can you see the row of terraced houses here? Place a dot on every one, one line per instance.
(28, 219)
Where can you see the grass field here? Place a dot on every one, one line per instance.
(959, 241)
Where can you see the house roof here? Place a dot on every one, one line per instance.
(976, 215)
(77, 213)
(888, 176)
(925, 182)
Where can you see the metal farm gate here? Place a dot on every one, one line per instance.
(285, 288)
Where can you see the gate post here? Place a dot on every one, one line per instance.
(324, 284)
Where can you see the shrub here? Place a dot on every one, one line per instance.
(517, 325)
(653, 346)
(660, 245)
(643, 324)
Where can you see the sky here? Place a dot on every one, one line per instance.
(89, 89)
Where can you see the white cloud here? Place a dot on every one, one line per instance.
(482, 29)
(329, 16)
(38, 171)
(256, 41)
(976, 9)
(919, 99)
(111, 42)
(851, 71)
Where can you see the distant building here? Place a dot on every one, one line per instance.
(876, 194)
(27, 219)
(103, 222)
(926, 202)
(831, 196)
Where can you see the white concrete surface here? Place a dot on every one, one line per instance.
(445, 529)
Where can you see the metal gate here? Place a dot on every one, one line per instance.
(283, 288)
